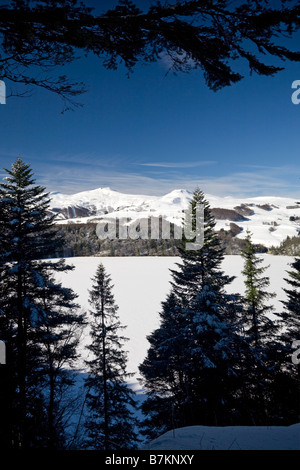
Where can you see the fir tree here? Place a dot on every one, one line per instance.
(260, 330)
(258, 324)
(201, 266)
(287, 385)
(163, 370)
(30, 301)
(292, 304)
(58, 335)
(193, 355)
(110, 401)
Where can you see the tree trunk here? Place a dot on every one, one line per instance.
(106, 432)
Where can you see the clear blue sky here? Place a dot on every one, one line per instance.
(152, 132)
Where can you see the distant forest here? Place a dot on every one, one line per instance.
(82, 240)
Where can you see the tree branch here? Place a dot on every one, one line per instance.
(207, 34)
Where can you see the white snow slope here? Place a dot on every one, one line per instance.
(268, 218)
(140, 285)
(229, 438)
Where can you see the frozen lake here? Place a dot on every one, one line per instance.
(142, 283)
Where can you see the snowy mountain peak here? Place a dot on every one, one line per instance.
(270, 219)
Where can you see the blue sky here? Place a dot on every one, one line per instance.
(152, 133)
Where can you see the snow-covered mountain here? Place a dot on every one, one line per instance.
(87, 205)
(270, 219)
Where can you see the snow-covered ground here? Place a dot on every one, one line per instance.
(140, 285)
(271, 219)
(229, 438)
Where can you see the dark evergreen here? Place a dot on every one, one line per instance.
(110, 401)
(288, 247)
(193, 357)
(36, 319)
(261, 329)
(292, 304)
(287, 386)
(58, 335)
(163, 372)
(257, 322)
(199, 267)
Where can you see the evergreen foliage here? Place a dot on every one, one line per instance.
(292, 305)
(193, 355)
(288, 247)
(215, 359)
(288, 381)
(262, 332)
(258, 324)
(36, 320)
(110, 401)
(212, 36)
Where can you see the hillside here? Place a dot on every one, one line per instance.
(270, 219)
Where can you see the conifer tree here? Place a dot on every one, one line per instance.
(258, 323)
(286, 396)
(31, 303)
(260, 329)
(292, 304)
(58, 334)
(163, 371)
(110, 401)
(193, 355)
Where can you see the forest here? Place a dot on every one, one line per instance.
(216, 359)
(82, 240)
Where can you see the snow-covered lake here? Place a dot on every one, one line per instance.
(229, 438)
(142, 283)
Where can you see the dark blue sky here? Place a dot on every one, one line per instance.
(153, 132)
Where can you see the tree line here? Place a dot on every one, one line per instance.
(216, 358)
(80, 239)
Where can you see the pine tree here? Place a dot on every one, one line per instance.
(292, 304)
(200, 266)
(260, 329)
(286, 397)
(163, 370)
(193, 355)
(58, 334)
(110, 401)
(33, 305)
(258, 324)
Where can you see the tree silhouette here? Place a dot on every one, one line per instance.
(39, 318)
(110, 423)
(38, 37)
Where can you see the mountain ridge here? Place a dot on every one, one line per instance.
(270, 219)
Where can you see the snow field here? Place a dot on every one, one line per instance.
(142, 283)
(268, 212)
(229, 438)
